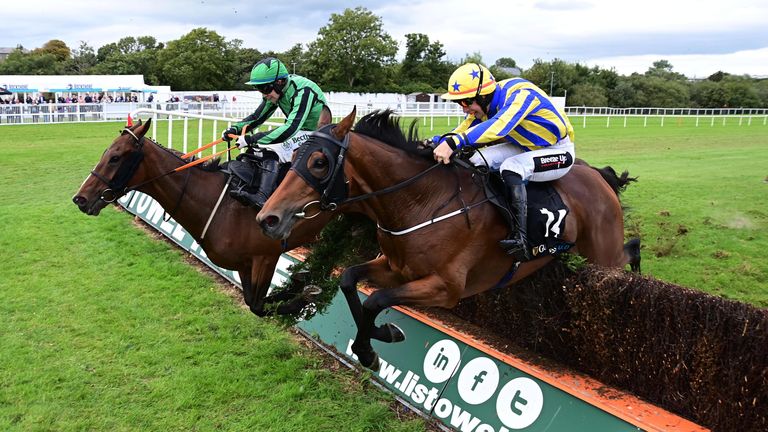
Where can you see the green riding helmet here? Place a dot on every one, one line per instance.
(268, 70)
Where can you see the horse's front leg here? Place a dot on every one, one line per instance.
(256, 282)
(431, 290)
(379, 273)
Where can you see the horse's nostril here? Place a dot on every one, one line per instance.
(78, 200)
(270, 221)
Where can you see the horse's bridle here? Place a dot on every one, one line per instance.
(333, 188)
(118, 186)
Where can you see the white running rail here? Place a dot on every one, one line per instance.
(188, 119)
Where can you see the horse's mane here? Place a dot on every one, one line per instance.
(385, 127)
(212, 166)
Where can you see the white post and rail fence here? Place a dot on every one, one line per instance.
(15, 114)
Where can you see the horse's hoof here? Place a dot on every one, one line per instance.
(396, 334)
(311, 293)
(374, 364)
(300, 276)
(259, 312)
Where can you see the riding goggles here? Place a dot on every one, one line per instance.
(466, 102)
(265, 88)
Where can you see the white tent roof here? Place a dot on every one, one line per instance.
(73, 83)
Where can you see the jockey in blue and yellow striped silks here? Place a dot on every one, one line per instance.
(517, 130)
(520, 113)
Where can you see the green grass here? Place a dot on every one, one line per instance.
(104, 328)
(700, 202)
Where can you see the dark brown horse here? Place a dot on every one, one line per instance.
(440, 263)
(232, 240)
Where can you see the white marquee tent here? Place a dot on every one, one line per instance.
(67, 84)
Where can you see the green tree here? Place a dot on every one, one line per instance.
(717, 76)
(475, 57)
(761, 87)
(130, 56)
(623, 95)
(199, 60)
(506, 62)
(352, 53)
(501, 69)
(740, 92)
(239, 68)
(33, 63)
(652, 91)
(587, 94)
(554, 77)
(708, 94)
(423, 68)
(58, 49)
(293, 58)
(663, 69)
(83, 60)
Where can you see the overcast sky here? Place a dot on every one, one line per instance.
(698, 37)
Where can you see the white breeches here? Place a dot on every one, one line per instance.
(284, 150)
(542, 165)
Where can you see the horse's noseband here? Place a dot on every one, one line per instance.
(333, 187)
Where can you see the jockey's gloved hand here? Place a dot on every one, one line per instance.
(225, 134)
(431, 142)
(450, 140)
(250, 140)
(242, 142)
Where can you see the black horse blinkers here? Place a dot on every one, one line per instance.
(333, 187)
(117, 187)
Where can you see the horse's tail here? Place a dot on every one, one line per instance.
(632, 252)
(617, 182)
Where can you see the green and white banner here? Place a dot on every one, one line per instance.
(151, 212)
(461, 386)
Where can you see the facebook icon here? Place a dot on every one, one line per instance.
(478, 380)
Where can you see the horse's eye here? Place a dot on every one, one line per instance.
(321, 163)
(114, 159)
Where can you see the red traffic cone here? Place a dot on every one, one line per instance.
(129, 123)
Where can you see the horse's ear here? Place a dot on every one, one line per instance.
(342, 129)
(142, 128)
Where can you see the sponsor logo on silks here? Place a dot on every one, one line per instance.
(537, 250)
(541, 249)
(519, 402)
(295, 140)
(551, 162)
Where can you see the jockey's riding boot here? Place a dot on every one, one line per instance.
(270, 171)
(517, 197)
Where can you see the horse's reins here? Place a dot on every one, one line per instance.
(186, 155)
(331, 205)
(463, 210)
(117, 187)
